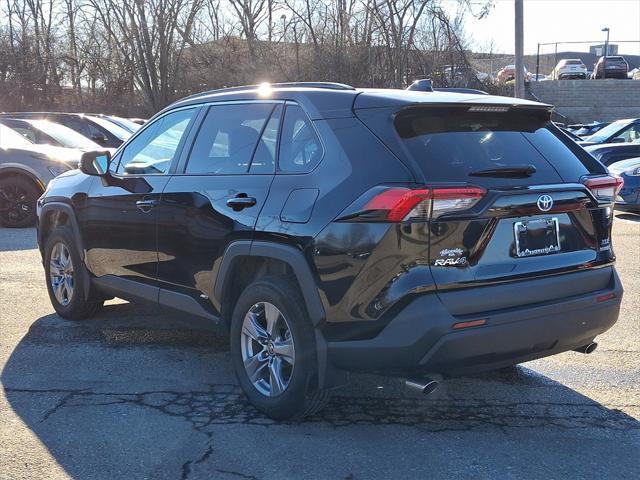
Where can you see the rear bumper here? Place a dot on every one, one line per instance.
(421, 339)
(570, 75)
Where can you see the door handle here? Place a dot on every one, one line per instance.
(146, 205)
(241, 201)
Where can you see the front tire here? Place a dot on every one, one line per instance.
(273, 350)
(65, 274)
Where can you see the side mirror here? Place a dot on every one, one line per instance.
(95, 163)
(617, 140)
(99, 138)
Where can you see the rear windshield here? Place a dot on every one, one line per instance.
(453, 144)
(574, 62)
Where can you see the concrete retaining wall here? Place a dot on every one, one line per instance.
(588, 100)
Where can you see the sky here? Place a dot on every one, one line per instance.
(556, 21)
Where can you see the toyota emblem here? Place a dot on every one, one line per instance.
(545, 202)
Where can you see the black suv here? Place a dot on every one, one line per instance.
(331, 229)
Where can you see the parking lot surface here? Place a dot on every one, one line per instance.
(141, 394)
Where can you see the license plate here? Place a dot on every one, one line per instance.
(537, 237)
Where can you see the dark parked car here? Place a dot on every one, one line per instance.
(570, 134)
(49, 133)
(125, 123)
(622, 131)
(100, 130)
(329, 229)
(25, 171)
(587, 129)
(610, 67)
(629, 197)
(609, 153)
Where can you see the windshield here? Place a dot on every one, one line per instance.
(9, 138)
(607, 131)
(65, 136)
(116, 130)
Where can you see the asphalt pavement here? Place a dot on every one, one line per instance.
(137, 393)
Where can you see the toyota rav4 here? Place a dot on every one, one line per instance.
(329, 229)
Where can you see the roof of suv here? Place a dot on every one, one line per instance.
(331, 100)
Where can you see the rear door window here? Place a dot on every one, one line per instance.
(228, 138)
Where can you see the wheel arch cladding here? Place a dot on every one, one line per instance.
(286, 254)
(50, 214)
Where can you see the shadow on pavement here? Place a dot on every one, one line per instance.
(632, 217)
(132, 387)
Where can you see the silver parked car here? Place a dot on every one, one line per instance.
(25, 171)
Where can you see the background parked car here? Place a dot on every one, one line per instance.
(570, 134)
(616, 67)
(586, 129)
(25, 171)
(124, 123)
(629, 197)
(609, 153)
(101, 131)
(49, 133)
(569, 68)
(622, 131)
(509, 73)
(540, 77)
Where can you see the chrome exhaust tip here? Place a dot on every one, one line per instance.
(588, 348)
(423, 385)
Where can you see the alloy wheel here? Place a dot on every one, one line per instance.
(267, 348)
(15, 203)
(61, 274)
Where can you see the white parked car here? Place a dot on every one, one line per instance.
(569, 68)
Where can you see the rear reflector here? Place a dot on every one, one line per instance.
(400, 204)
(469, 324)
(604, 298)
(604, 188)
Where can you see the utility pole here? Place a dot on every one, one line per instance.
(606, 52)
(519, 86)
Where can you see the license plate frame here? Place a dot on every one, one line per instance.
(537, 237)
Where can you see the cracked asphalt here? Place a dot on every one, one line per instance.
(141, 394)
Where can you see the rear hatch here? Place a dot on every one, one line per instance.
(507, 196)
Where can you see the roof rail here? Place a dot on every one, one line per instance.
(327, 85)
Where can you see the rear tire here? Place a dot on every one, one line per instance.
(18, 197)
(65, 273)
(260, 352)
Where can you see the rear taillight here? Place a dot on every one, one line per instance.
(604, 188)
(399, 204)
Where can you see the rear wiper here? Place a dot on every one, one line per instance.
(512, 171)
